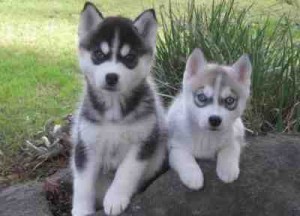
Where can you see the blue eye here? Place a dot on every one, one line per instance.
(229, 100)
(230, 103)
(201, 99)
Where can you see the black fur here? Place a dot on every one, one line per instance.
(140, 96)
(148, 108)
(150, 145)
(90, 4)
(96, 103)
(80, 155)
(92, 107)
(89, 115)
(128, 34)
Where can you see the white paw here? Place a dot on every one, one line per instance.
(115, 203)
(193, 179)
(81, 212)
(228, 173)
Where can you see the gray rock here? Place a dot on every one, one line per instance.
(24, 200)
(269, 185)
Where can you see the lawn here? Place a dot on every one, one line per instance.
(38, 69)
(39, 74)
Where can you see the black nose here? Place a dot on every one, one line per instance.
(214, 120)
(112, 79)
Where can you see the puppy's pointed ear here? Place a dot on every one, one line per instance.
(243, 68)
(90, 18)
(146, 25)
(195, 64)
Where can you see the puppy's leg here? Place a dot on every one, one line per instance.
(228, 162)
(84, 191)
(125, 183)
(187, 168)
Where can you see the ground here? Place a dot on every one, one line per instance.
(268, 185)
(39, 74)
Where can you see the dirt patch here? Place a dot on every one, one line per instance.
(41, 155)
(60, 200)
(58, 189)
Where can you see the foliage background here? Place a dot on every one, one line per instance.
(40, 78)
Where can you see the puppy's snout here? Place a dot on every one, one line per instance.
(112, 79)
(214, 120)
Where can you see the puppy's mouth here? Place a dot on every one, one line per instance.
(214, 128)
(111, 88)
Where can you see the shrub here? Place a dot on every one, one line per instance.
(224, 33)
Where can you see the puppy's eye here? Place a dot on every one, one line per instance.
(98, 55)
(230, 102)
(130, 57)
(201, 99)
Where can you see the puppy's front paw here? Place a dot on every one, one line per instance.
(81, 212)
(83, 208)
(115, 203)
(193, 179)
(228, 173)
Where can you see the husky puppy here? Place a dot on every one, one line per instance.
(119, 125)
(205, 119)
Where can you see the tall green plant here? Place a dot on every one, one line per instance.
(224, 33)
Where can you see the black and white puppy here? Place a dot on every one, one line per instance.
(119, 125)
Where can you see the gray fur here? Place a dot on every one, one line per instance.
(205, 119)
(80, 155)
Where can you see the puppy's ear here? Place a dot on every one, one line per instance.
(146, 25)
(242, 69)
(90, 18)
(195, 64)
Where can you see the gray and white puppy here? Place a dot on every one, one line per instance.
(119, 125)
(205, 119)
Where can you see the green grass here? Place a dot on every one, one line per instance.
(38, 68)
(39, 74)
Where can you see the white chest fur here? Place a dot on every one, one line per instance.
(111, 141)
(113, 112)
(206, 144)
